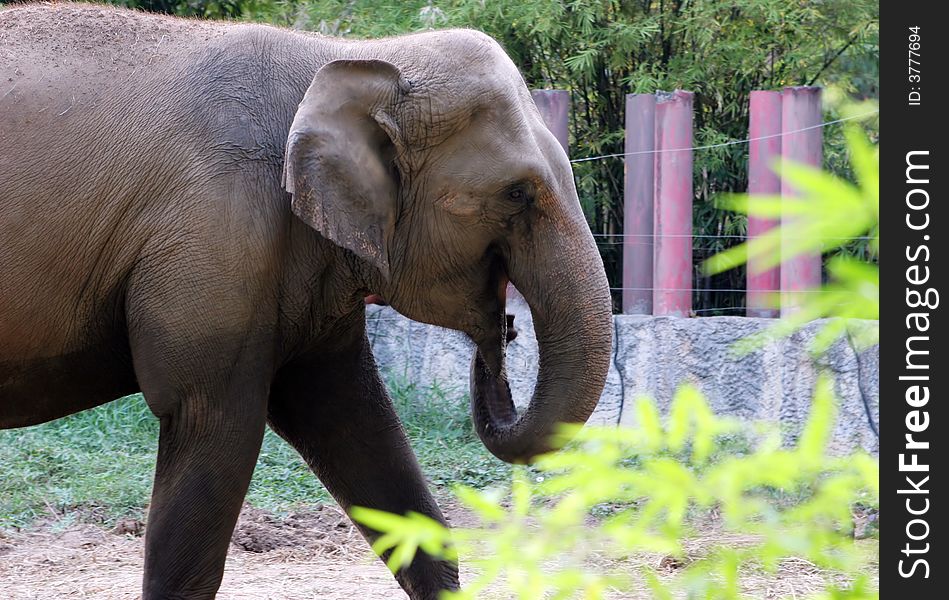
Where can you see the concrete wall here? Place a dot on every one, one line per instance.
(652, 356)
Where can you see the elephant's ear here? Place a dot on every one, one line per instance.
(340, 159)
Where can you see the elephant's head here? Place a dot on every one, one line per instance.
(436, 168)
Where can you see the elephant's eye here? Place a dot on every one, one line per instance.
(518, 193)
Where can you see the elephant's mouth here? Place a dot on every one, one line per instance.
(495, 334)
(375, 299)
(503, 281)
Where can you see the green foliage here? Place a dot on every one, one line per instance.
(212, 9)
(827, 215)
(96, 465)
(537, 541)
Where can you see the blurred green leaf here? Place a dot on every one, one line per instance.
(829, 213)
(539, 541)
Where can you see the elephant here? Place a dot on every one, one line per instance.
(199, 211)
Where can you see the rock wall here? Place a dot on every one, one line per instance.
(652, 356)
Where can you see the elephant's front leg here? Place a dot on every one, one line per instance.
(208, 447)
(337, 414)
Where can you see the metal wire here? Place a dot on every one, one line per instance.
(708, 236)
(650, 289)
(694, 310)
(611, 245)
(371, 319)
(723, 144)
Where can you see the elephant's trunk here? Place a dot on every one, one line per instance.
(565, 285)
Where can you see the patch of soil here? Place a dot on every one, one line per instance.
(132, 527)
(5, 546)
(313, 553)
(322, 529)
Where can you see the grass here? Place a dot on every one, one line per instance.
(98, 461)
(97, 465)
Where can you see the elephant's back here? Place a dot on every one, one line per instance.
(121, 132)
(151, 96)
(104, 139)
(88, 109)
(115, 80)
(59, 57)
(80, 37)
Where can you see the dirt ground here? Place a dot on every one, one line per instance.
(316, 554)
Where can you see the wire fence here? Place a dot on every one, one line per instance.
(709, 236)
(728, 143)
(719, 294)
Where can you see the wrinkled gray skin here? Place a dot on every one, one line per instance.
(197, 210)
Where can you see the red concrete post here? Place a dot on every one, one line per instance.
(639, 204)
(800, 110)
(673, 225)
(764, 122)
(554, 107)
